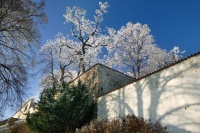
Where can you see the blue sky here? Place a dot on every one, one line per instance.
(172, 22)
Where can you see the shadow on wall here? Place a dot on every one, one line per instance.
(171, 96)
(119, 106)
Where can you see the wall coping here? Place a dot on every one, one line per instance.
(147, 75)
(98, 64)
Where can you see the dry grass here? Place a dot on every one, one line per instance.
(20, 128)
(129, 124)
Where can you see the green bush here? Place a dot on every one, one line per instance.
(62, 109)
(129, 124)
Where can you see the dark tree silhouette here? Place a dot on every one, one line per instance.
(19, 36)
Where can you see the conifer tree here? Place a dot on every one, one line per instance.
(62, 109)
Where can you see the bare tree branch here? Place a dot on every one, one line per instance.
(19, 35)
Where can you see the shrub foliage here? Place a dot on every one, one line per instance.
(129, 124)
(62, 109)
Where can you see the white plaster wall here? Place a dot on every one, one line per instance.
(27, 108)
(171, 96)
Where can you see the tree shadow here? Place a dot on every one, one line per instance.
(119, 106)
(170, 96)
(174, 95)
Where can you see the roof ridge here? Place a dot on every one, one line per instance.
(83, 73)
(95, 66)
(23, 105)
(114, 70)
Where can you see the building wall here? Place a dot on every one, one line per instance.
(28, 107)
(110, 79)
(89, 78)
(102, 79)
(170, 96)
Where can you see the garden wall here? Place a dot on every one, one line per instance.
(170, 96)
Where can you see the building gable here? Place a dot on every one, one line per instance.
(101, 79)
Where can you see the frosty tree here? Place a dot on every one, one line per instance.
(134, 50)
(58, 61)
(88, 33)
(131, 48)
(63, 58)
